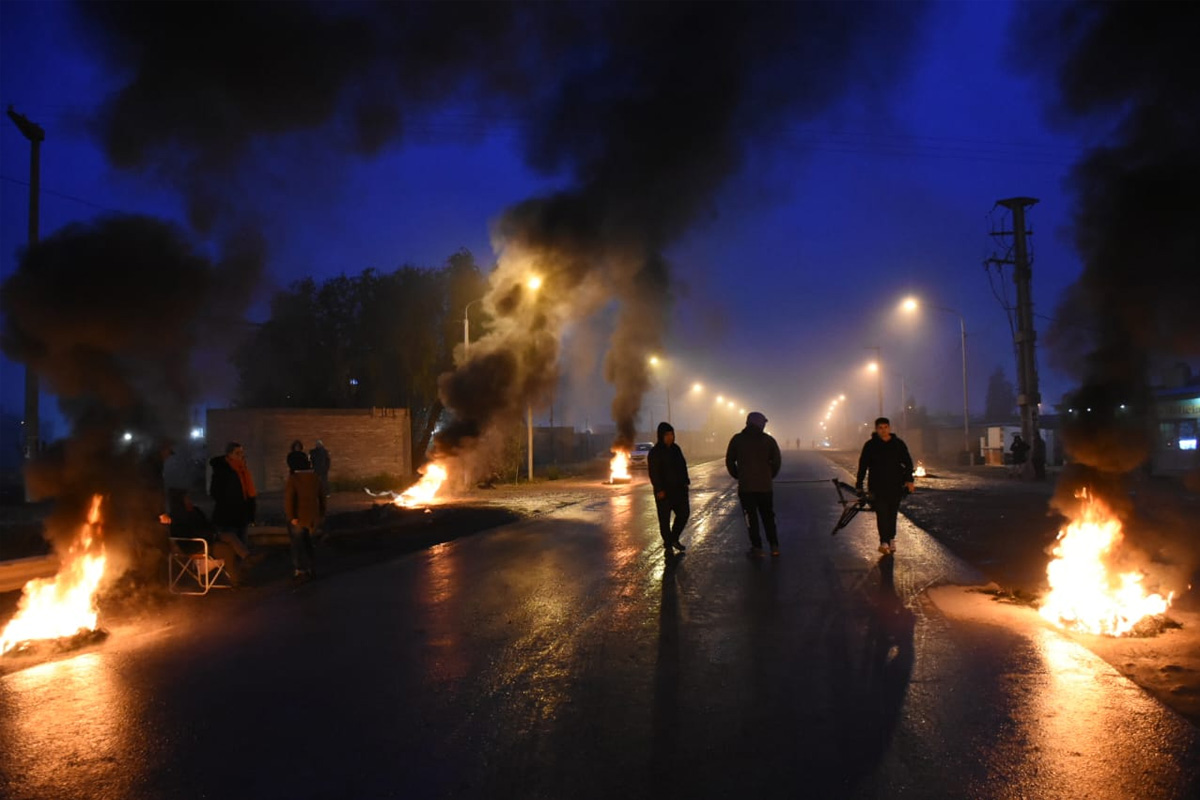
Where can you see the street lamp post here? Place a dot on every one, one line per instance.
(655, 362)
(467, 328)
(878, 374)
(911, 305)
(36, 135)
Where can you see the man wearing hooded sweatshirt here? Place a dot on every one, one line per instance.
(889, 470)
(753, 458)
(669, 479)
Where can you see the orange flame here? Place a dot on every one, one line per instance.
(619, 467)
(1084, 595)
(64, 605)
(422, 492)
(919, 472)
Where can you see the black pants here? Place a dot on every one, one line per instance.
(886, 511)
(755, 504)
(677, 502)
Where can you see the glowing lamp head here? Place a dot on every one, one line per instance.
(909, 305)
(534, 283)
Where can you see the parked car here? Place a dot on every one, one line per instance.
(638, 457)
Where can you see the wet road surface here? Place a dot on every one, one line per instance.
(564, 657)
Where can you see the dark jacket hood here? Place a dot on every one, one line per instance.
(663, 429)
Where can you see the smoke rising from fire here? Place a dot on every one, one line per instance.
(647, 109)
(650, 124)
(1124, 74)
(109, 314)
(1126, 70)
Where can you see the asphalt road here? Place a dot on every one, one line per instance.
(563, 657)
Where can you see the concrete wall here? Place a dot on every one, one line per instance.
(361, 441)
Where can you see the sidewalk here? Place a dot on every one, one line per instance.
(1005, 528)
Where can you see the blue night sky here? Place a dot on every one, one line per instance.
(800, 266)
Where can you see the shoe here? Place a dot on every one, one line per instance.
(755, 552)
(679, 546)
(775, 551)
(892, 547)
(883, 548)
(667, 548)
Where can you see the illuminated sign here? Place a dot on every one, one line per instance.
(1180, 408)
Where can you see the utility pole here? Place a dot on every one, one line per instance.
(1024, 335)
(878, 373)
(34, 133)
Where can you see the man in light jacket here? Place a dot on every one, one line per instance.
(753, 458)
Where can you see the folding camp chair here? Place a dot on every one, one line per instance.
(192, 570)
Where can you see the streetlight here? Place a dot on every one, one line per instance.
(656, 362)
(36, 135)
(467, 328)
(534, 283)
(876, 366)
(911, 305)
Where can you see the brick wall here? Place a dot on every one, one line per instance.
(361, 441)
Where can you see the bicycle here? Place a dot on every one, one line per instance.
(850, 506)
(858, 501)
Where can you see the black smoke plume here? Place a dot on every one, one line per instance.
(1125, 75)
(1127, 71)
(650, 119)
(109, 315)
(646, 107)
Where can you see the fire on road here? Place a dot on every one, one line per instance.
(564, 656)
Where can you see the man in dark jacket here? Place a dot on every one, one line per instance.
(753, 458)
(321, 462)
(669, 479)
(889, 470)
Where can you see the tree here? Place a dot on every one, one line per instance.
(371, 340)
(1001, 397)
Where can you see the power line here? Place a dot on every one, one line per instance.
(62, 195)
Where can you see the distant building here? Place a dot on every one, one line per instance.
(1178, 412)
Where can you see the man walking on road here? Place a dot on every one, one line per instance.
(669, 479)
(753, 458)
(885, 457)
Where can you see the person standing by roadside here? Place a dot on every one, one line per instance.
(232, 490)
(296, 459)
(1039, 456)
(321, 462)
(304, 506)
(753, 458)
(888, 467)
(669, 479)
(234, 503)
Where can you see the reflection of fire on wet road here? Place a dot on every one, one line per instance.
(64, 605)
(1085, 594)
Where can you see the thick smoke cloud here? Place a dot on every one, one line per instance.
(1125, 70)
(650, 120)
(109, 314)
(212, 89)
(647, 108)
(1125, 75)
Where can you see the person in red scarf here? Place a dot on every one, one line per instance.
(234, 497)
